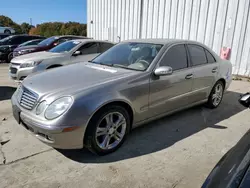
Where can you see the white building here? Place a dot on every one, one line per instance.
(216, 23)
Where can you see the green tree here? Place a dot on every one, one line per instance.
(26, 27)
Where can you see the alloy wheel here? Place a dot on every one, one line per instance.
(110, 130)
(217, 94)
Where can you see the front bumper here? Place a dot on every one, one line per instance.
(17, 73)
(47, 132)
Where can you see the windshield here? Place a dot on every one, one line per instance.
(135, 56)
(65, 47)
(47, 41)
(6, 39)
(27, 43)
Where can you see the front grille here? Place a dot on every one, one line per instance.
(26, 98)
(13, 70)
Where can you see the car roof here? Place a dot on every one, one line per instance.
(61, 36)
(92, 40)
(160, 41)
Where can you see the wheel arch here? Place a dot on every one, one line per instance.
(122, 103)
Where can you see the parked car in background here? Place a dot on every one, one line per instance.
(31, 42)
(6, 30)
(45, 45)
(96, 104)
(67, 53)
(233, 170)
(8, 44)
(2, 36)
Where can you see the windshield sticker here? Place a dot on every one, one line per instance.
(102, 68)
(76, 42)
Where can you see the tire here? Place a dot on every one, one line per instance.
(92, 141)
(211, 103)
(10, 57)
(6, 31)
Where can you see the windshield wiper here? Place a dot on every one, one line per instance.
(100, 63)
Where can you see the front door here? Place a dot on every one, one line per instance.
(88, 52)
(171, 92)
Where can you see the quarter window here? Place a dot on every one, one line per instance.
(210, 57)
(197, 54)
(176, 58)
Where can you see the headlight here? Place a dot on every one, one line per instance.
(58, 107)
(27, 51)
(30, 64)
(41, 107)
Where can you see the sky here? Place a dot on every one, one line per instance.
(44, 10)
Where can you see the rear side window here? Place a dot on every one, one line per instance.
(210, 57)
(197, 54)
(89, 48)
(105, 46)
(176, 57)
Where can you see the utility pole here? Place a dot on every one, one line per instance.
(30, 21)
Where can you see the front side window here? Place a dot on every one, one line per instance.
(65, 47)
(176, 58)
(197, 54)
(130, 55)
(89, 48)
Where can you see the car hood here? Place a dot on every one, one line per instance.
(25, 48)
(4, 47)
(37, 56)
(74, 78)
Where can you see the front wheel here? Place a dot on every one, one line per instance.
(10, 57)
(216, 95)
(107, 130)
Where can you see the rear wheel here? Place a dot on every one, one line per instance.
(6, 31)
(216, 95)
(107, 130)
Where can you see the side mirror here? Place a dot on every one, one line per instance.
(245, 100)
(55, 44)
(163, 71)
(76, 53)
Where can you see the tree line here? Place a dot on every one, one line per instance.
(46, 29)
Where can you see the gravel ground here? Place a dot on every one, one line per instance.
(176, 151)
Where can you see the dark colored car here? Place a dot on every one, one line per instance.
(8, 44)
(45, 45)
(2, 36)
(31, 42)
(233, 170)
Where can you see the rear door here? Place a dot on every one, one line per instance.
(205, 70)
(171, 92)
(88, 52)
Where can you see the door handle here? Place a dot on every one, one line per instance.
(189, 76)
(214, 70)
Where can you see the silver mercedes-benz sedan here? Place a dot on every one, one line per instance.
(96, 104)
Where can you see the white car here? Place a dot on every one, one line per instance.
(6, 30)
(74, 51)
